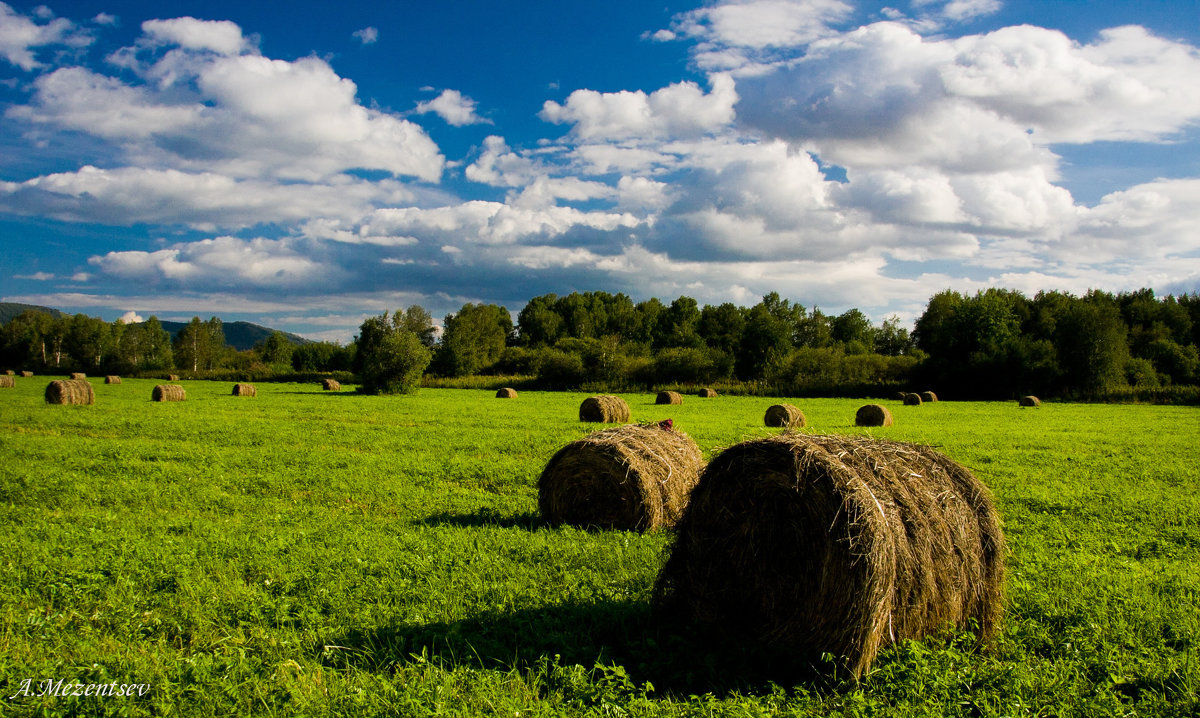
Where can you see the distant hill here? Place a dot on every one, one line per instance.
(239, 335)
(12, 310)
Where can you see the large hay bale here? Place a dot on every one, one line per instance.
(912, 399)
(1032, 401)
(27, 374)
(70, 391)
(330, 385)
(668, 397)
(929, 397)
(112, 379)
(631, 477)
(168, 392)
(245, 390)
(506, 393)
(806, 545)
(707, 393)
(7, 381)
(78, 375)
(873, 415)
(784, 415)
(605, 408)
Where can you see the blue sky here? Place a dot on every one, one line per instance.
(306, 169)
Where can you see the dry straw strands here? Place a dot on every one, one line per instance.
(111, 379)
(929, 397)
(873, 415)
(70, 391)
(168, 392)
(330, 385)
(78, 375)
(506, 393)
(707, 393)
(912, 399)
(244, 390)
(7, 381)
(27, 374)
(668, 397)
(604, 408)
(1032, 401)
(808, 544)
(629, 477)
(784, 415)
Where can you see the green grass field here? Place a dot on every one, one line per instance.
(315, 553)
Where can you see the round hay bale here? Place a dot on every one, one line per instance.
(929, 397)
(873, 415)
(807, 545)
(330, 385)
(168, 392)
(912, 399)
(632, 477)
(70, 391)
(27, 374)
(901, 395)
(172, 377)
(110, 379)
(10, 372)
(245, 390)
(784, 415)
(78, 375)
(7, 381)
(707, 393)
(668, 397)
(506, 393)
(604, 408)
(1032, 401)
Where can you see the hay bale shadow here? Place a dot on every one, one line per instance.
(604, 633)
(529, 520)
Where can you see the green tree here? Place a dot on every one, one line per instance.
(1091, 342)
(389, 358)
(474, 338)
(679, 325)
(199, 345)
(276, 350)
(721, 327)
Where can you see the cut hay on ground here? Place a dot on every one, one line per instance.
(873, 415)
(929, 397)
(506, 393)
(330, 385)
(668, 397)
(632, 477)
(802, 545)
(78, 376)
(168, 392)
(111, 379)
(27, 374)
(707, 393)
(1029, 401)
(912, 399)
(784, 415)
(605, 408)
(70, 391)
(245, 390)
(7, 381)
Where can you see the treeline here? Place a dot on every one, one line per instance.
(993, 344)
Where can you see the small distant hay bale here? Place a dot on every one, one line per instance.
(784, 415)
(70, 391)
(606, 409)
(901, 395)
(707, 393)
(10, 372)
(330, 385)
(245, 390)
(873, 415)
(168, 392)
(172, 377)
(506, 393)
(929, 397)
(668, 397)
(7, 381)
(912, 399)
(27, 374)
(633, 477)
(799, 545)
(112, 379)
(1031, 400)
(78, 375)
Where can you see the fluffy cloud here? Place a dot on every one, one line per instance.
(678, 110)
(367, 35)
(21, 35)
(219, 36)
(453, 107)
(219, 261)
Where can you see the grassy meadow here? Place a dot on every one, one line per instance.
(314, 553)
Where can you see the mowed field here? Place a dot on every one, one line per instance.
(314, 553)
